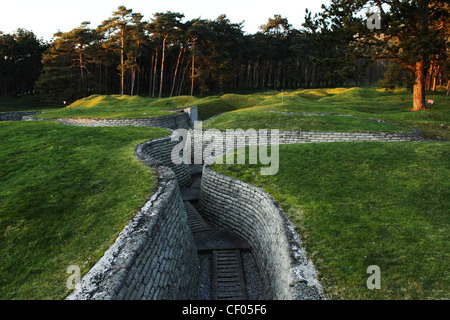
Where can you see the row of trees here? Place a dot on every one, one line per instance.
(166, 56)
(20, 62)
(169, 56)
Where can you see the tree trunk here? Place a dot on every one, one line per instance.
(133, 78)
(100, 79)
(106, 80)
(150, 79)
(419, 87)
(154, 73)
(182, 79)
(193, 69)
(122, 63)
(435, 76)
(175, 73)
(162, 67)
(82, 76)
(448, 88)
(138, 80)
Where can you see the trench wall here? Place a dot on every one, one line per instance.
(154, 257)
(253, 214)
(16, 116)
(177, 121)
(221, 142)
(160, 153)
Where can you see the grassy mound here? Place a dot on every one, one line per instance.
(252, 110)
(264, 119)
(126, 107)
(209, 107)
(94, 101)
(356, 94)
(393, 107)
(118, 107)
(240, 101)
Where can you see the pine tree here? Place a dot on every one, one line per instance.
(68, 55)
(116, 32)
(164, 27)
(406, 34)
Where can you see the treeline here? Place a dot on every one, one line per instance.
(168, 56)
(20, 62)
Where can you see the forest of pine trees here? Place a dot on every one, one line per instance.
(171, 56)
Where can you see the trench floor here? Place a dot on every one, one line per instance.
(228, 270)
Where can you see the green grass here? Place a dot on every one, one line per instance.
(211, 106)
(366, 103)
(264, 119)
(65, 195)
(246, 111)
(66, 192)
(362, 204)
(118, 107)
(26, 103)
(127, 107)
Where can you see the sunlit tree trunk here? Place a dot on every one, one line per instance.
(154, 73)
(419, 87)
(435, 76)
(175, 73)
(133, 79)
(193, 69)
(162, 67)
(122, 62)
(150, 79)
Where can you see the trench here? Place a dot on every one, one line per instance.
(228, 270)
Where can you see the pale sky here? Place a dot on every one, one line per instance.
(46, 17)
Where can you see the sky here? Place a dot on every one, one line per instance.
(46, 17)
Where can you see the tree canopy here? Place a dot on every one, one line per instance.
(20, 62)
(169, 55)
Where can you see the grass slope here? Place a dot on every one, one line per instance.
(365, 103)
(65, 194)
(118, 107)
(362, 204)
(252, 111)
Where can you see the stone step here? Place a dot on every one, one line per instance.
(227, 275)
(195, 220)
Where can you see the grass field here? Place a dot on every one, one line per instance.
(362, 204)
(366, 103)
(65, 194)
(245, 111)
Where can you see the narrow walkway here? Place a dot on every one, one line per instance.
(227, 275)
(228, 268)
